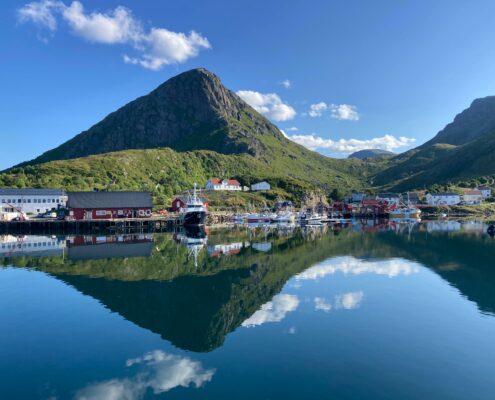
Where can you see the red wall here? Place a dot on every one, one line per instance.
(80, 213)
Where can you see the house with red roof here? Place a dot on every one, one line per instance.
(472, 196)
(223, 184)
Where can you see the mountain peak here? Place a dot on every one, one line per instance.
(191, 111)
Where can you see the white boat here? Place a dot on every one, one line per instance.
(405, 213)
(310, 219)
(284, 217)
(260, 217)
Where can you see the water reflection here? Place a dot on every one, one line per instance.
(157, 371)
(195, 287)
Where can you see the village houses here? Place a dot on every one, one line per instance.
(443, 199)
(223, 184)
(472, 196)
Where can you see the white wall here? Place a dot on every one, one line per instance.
(34, 204)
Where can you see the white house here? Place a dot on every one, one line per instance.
(260, 186)
(32, 201)
(225, 184)
(472, 196)
(390, 198)
(443, 199)
(486, 192)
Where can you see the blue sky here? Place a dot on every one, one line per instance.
(361, 73)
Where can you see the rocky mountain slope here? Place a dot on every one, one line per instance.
(463, 150)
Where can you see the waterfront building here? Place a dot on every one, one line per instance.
(108, 205)
(390, 198)
(443, 199)
(32, 201)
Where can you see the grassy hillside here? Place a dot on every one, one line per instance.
(165, 172)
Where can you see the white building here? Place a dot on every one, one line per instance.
(260, 186)
(390, 198)
(32, 201)
(443, 199)
(472, 196)
(486, 192)
(225, 184)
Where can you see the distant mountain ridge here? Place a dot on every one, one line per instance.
(463, 150)
(370, 153)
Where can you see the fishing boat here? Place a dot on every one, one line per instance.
(239, 218)
(309, 219)
(194, 212)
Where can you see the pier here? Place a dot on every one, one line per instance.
(121, 225)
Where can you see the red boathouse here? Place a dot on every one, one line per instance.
(107, 205)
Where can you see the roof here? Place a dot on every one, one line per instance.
(233, 182)
(215, 181)
(31, 192)
(473, 192)
(109, 199)
(444, 194)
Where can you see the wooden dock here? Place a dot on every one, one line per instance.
(120, 225)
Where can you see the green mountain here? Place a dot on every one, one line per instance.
(462, 151)
(188, 129)
(371, 153)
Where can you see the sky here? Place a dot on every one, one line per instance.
(335, 76)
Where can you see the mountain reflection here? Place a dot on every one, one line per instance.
(195, 287)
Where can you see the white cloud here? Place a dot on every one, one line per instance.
(349, 301)
(316, 110)
(355, 266)
(157, 370)
(153, 49)
(273, 311)
(286, 83)
(269, 104)
(322, 305)
(344, 112)
(347, 146)
(292, 129)
(40, 13)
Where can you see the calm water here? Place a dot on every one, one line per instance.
(354, 312)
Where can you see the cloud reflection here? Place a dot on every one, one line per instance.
(158, 371)
(349, 301)
(355, 266)
(273, 311)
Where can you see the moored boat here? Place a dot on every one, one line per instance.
(194, 212)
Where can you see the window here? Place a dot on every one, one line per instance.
(101, 213)
(19, 201)
(29, 200)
